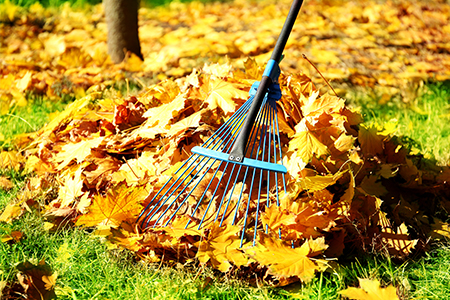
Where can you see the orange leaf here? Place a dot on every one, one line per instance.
(275, 217)
(220, 247)
(370, 290)
(120, 204)
(283, 260)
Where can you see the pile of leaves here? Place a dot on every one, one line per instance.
(349, 187)
(62, 52)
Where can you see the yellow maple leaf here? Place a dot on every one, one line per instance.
(71, 188)
(315, 182)
(396, 242)
(221, 247)
(283, 260)
(119, 204)
(162, 115)
(76, 151)
(306, 144)
(11, 212)
(370, 290)
(316, 105)
(220, 93)
(275, 217)
(183, 125)
(11, 160)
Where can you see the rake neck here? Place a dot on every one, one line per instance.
(270, 76)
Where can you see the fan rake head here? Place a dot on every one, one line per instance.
(211, 186)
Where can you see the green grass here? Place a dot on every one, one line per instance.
(423, 121)
(26, 119)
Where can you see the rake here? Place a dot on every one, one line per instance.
(238, 171)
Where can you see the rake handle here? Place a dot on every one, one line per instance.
(237, 153)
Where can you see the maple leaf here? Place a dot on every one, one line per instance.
(11, 212)
(5, 183)
(76, 151)
(275, 217)
(371, 142)
(11, 160)
(319, 182)
(316, 105)
(119, 204)
(162, 115)
(220, 93)
(306, 144)
(396, 242)
(370, 290)
(71, 189)
(283, 260)
(220, 247)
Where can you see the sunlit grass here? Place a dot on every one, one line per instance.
(27, 119)
(423, 122)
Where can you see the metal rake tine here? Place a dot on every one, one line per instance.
(251, 188)
(192, 190)
(158, 204)
(185, 187)
(162, 188)
(263, 132)
(281, 154)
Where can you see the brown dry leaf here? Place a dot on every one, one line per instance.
(38, 281)
(370, 290)
(371, 141)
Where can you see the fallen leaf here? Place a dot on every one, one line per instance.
(370, 290)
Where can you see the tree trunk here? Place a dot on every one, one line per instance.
(122, 26)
